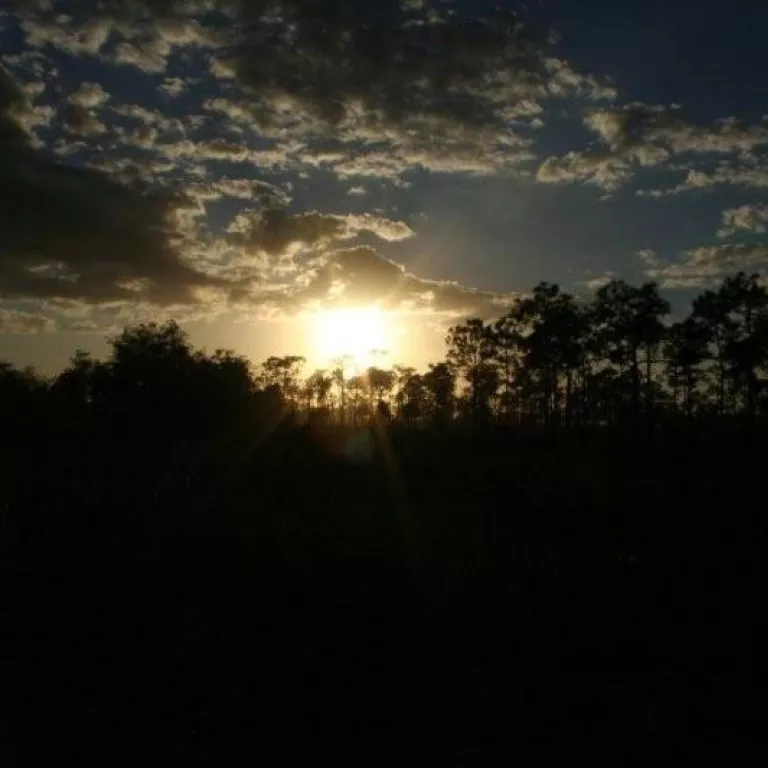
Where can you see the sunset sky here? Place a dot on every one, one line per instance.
(246, 166)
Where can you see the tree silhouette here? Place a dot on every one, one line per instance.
(628, 323)
(470, 353)
(163, 516)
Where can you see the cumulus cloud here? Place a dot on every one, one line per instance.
(390, 64)
(645, 136)
(359, 90)
(750, 218)
(396, 86)
(21, 322)
(362, 275)
(65, 33)
(649, 257)
(80, 121)
(89, 95)
(276, 231)
(594, 284)
(75, 233)
(564, 80)
(19, 117)
(709, 264)
(742, 175)
(595, 168)
(174, 86)
(267, 195)
(635, 125)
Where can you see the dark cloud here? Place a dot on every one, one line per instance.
(394, 60)
(363, 276)
(80, 121)
(75, 233)
(276, 230)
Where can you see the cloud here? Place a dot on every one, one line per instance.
(637, 124)
(744, 175)
(596, 283)
(64, 33)
(361, 275)
(18, 116)
(267, 195)
(276, 231)
(649, 257)
(709, 264)
(384, 88)
(750, 218)
(565, 81)
(595, 168)
(76, 233)
(20, 322)
(89, 95)
(391, 63)
(174, 86)
(80, 121)
(149, 56)
(640, 135)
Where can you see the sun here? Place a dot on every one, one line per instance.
(361, 335)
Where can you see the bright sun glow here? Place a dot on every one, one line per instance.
(361, 335)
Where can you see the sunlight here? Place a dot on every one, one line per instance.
(362, 335)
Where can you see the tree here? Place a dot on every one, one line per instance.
(318, 388)
(507, 337)
(746, 302)
(470, 354)
(628, 322)
(684, 353)
(339, 379)
(711, 313)
(549, 330)
(380, 384)
(283, 373)
(439, 383)
(357, 388)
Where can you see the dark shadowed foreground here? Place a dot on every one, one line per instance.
(196, 571)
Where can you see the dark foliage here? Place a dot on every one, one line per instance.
(549, 548)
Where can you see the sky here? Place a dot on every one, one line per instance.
(248, 166)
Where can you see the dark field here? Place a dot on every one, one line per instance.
(468, 598)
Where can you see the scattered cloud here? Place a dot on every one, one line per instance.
(77, 233)
(747, 174)
(649, 257)
(277, 231)
(20, 322)
(749, 218)
(89, 95)
(647, 136)
(174, 86)
(596, 283)
(706, 265)
(362, 275)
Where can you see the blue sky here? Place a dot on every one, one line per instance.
(241, 166)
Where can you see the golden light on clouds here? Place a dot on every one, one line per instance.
(362, 335)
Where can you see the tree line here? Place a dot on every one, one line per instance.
(549, 362)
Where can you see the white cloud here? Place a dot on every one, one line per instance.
(750, 218)
(89, 95)
(709, 264)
